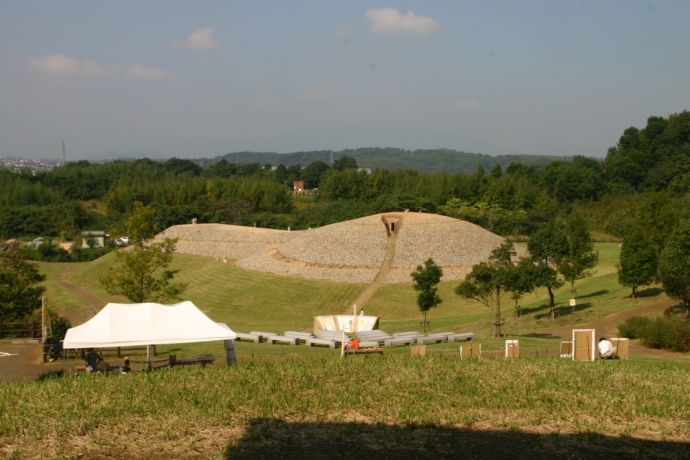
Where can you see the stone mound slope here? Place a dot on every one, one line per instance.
(347, 251)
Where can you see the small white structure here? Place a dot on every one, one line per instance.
(93, 239)
(126, 325)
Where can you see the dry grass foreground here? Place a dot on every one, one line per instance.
(378, 407)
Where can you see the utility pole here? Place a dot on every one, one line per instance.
(64, 153)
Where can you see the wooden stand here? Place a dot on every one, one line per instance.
(512, 349)
(471, 350)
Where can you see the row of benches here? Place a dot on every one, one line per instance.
(367, 339)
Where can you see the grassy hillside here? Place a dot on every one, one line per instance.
(248, 300)
(364, 407)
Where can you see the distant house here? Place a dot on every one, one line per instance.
(93, 239)
(297, 187)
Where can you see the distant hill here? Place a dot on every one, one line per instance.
(387, 158)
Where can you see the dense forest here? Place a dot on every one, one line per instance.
(426, 161)
(642, 183)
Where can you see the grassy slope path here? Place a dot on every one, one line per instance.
(608, 327)
(383, 271)
(95, 302)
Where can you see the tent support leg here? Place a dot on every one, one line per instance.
(230, 356)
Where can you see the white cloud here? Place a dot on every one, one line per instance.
(315, 95)
(59, 64)
(468, 104)
(201, 39)
(142, 72)
(392, 21)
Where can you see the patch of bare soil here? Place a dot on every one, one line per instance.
(25, 361)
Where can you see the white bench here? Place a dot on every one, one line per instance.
(263, 335)
(326, 342)
(399, 341)
(399, 335)
(248, 337)
(282, 339)
(431, 339)
(300, 336)
(469, 336)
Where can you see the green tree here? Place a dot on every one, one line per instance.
(548, 246)
(20, 293)
(638, 261)
(426, 277)
(344, 162)
(674, 265)
(521, 281)
(581, 256)
(141, 273)
(488, 280)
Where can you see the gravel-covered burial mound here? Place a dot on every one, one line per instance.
(347, 251)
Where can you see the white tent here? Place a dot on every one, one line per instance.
(125, 325)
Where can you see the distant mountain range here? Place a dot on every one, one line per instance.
(388, 158)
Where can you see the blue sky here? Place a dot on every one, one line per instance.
(203, 78)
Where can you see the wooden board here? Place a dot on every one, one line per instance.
(418, 350)
(567, 349)
(584, 344)
(622, 345)
(512, 349)
(470, 350)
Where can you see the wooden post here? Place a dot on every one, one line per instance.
(119, 352)
(230, 357)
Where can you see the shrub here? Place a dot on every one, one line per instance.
(671, 333)
(633, 327)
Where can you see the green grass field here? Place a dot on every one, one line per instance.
(289, 402)
(374, 406)
(249, 300)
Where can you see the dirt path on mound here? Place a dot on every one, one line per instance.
(383, 271)
(608, 327)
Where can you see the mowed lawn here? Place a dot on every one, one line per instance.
(362, 407)
(249, 300)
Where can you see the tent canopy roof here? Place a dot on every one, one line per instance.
(125, 325)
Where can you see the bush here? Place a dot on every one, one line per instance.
(671, 333)
(86, 255)
(633, 327)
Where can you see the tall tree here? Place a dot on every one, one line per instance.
(674, 265)
(488, 280)
(426, 277)
(581, 256)
(638, 261)
(142, 273)
(20, 293)
(521, 281)
(548, 246)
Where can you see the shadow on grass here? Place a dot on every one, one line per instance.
(650, 292)
(564, 310)
(527, 310)
(272, 438)
(594, 294)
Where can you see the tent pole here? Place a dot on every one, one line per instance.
(149, 365)
(230, 357)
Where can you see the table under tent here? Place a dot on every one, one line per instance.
(148, 324)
